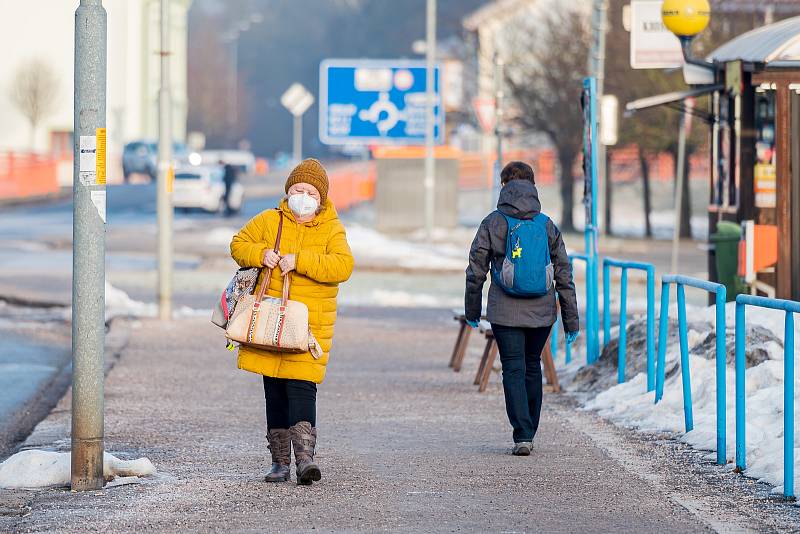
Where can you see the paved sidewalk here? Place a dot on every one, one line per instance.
(405, 445)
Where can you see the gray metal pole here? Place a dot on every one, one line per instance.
(165, 174)
(498, 132)
(430, 163)
(676, 234)
(597, 68)
(297, 145)
(88, 247)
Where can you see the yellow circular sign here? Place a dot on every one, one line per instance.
(685, 18)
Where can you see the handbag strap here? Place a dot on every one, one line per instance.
(268, 275)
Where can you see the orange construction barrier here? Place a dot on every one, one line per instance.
(27, 175)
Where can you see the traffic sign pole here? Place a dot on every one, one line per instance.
(164, 210)
(297, 145)
(430, 93)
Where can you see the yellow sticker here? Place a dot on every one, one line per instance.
(100, 156)
(170, 178)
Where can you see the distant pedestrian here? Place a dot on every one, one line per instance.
(314, 249)
(523, 250)
(229, 178)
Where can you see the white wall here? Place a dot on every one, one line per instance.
(44, 29)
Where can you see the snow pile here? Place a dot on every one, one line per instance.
(34, 469)
(120, 304)
(375, 249)
(630, 405)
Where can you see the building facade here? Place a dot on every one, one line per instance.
(43, 31)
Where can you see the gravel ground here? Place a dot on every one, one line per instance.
(405, 445)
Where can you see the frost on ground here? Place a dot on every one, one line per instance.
(33, 469)
(400, 299)
(630, 405)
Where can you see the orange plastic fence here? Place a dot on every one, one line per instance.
(351, 184)
(27, 175)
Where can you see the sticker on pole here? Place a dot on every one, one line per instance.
(99, 201)
(87, 161)
(100, 156)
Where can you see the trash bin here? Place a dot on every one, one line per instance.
(726, 250)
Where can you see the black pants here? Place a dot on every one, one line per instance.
(290, 402)
(520, 353)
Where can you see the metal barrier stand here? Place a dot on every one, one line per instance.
(790, 307)
(649, 269)
(720, 292)
(590, 320)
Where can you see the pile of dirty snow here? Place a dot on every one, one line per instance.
(33, 469)
(630, 405)
(120, 304)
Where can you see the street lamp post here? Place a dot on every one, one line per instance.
(430, 162)
(88, 246)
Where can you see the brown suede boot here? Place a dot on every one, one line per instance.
(304, 440)
(280, 445)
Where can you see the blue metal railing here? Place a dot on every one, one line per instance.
(663, 327)
(591, 317)
(790, 307)
(623, 304)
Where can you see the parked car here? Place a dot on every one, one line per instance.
(243, 160)
(141, 157)
(203, 187)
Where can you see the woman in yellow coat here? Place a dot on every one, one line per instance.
(314, 250)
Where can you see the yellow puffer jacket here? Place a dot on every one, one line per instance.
(324, 261)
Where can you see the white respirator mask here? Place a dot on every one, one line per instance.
(302, 204)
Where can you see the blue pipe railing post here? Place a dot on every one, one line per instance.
(663, 328)
(651, 328)
(623, 329)
(740, 392)
(721, 357)
(606, 303)
(790, 307)
(721, 368)
(788, 406)
(686, 374)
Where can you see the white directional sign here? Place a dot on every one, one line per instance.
(297, 99)
(653, 46)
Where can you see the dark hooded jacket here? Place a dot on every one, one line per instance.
(518, 199)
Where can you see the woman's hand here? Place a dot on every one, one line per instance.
(287, 264)
(271, 259)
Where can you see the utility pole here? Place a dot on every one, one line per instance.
(597, 69)
(430, 163)
(88, 246)
(498, 118)
(165, 174)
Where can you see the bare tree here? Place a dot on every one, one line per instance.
(34, 92)
(545, 72)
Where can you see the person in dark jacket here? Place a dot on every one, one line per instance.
(520, 325)
(229, 179)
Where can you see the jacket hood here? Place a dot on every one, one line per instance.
(328, 212)
(519, 199)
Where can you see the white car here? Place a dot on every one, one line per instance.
(203, 187)
(243, 160)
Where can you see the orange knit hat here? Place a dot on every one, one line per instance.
(310, 171)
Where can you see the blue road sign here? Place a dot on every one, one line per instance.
(375, 102)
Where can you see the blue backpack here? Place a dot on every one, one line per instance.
(526, 270)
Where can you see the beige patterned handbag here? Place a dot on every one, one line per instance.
(279, 325)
